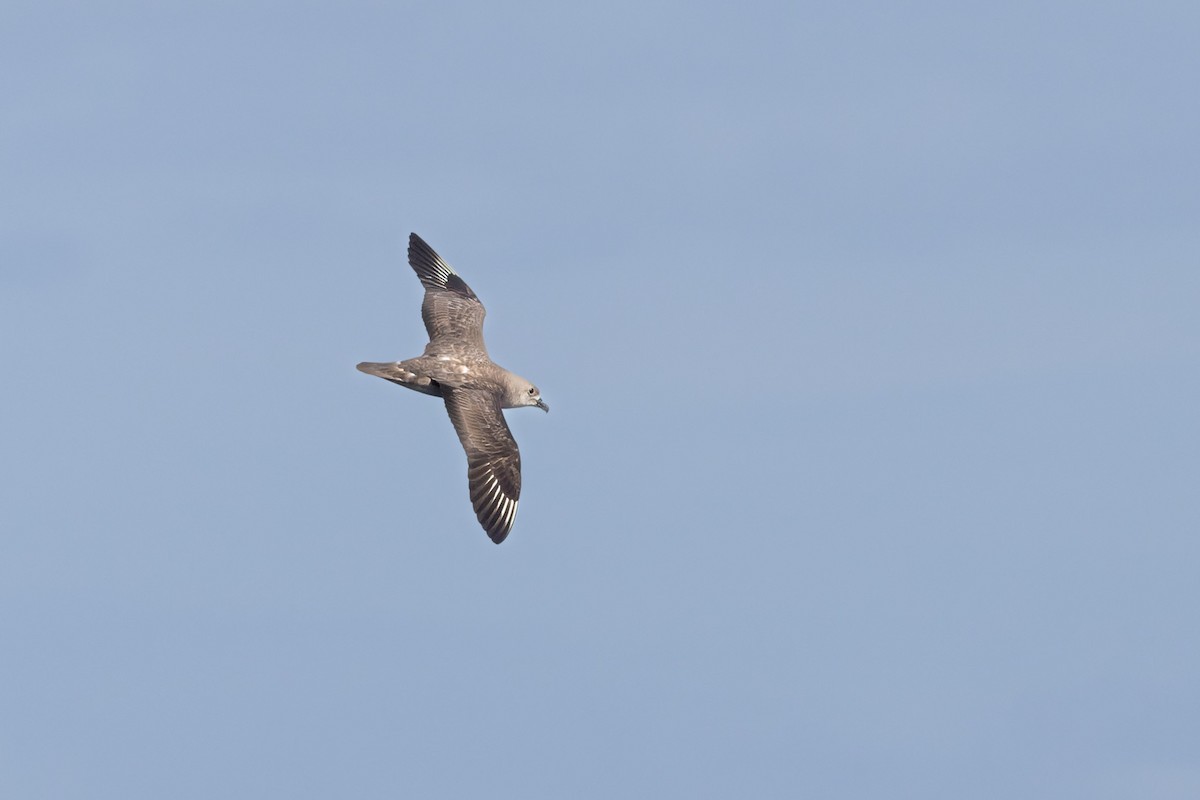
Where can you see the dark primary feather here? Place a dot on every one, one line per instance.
(452, 313)
(493, 460)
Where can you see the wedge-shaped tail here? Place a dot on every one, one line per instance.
(397, 373)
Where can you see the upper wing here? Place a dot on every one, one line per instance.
(493, 460)
(452, 313)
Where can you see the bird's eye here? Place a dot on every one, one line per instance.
(532, 390)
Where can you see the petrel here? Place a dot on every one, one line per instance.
(456, 368)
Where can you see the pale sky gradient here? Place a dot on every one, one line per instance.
(871, 333)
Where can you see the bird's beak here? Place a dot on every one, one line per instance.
(542, 405)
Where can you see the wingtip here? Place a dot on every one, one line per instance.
(433, 270)
(419, 249)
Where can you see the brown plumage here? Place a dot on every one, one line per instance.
(455, 366)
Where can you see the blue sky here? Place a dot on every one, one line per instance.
(870, 333)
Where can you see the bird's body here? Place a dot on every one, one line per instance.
(455, 367)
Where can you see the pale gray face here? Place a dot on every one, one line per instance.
(519, 393)
(531, 396)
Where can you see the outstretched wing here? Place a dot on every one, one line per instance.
(452, 313)
(493, 460)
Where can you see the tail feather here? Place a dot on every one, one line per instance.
(398, 373)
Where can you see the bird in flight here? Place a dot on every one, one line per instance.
(456, 368)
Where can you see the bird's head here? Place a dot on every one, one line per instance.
(523, 393)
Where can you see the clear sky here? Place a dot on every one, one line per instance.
(871, 333)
